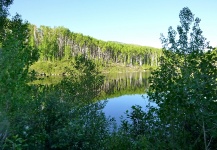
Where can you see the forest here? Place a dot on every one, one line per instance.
(60, 43)
(66, 115)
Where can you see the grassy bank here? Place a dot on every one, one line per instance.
(57, 68)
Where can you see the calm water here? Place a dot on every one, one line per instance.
(120, 90)
(116, 107)
(123, 91)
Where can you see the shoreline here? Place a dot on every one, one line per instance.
(47, 69)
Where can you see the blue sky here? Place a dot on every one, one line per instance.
(129, 21)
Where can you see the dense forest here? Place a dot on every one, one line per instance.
(60, 43)
(66, 115)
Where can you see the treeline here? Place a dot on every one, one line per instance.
(60, 43)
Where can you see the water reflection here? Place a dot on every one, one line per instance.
(118, 84)
(122, 91)
(115, 84)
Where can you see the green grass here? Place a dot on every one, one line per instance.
(57, 68)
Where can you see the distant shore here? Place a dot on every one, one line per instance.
(59, 68)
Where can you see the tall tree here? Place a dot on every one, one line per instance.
(184, 86)
(15, 59)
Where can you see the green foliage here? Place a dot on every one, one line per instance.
(86, 77)
(57, 68)
(133, 131)
(56, 45)
(184, 86)
(66, 116)
(61, 44)
(15, 143)
(15, 59)
(4, 4)
(50, 68)
(4, 126)
(53, 121)
(61, 116)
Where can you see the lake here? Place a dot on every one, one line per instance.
(120, 90)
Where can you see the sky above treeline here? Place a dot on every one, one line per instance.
(129, 21)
